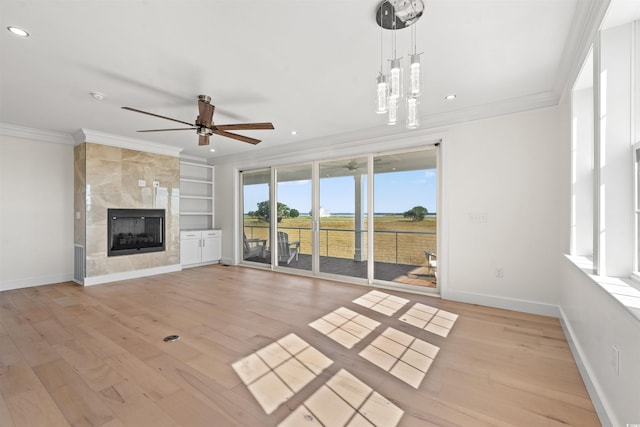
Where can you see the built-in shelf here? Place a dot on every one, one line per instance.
(196, 196)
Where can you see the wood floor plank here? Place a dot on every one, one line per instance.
(192, 412)
(35, 408)
(95, 372)
(96, 355)
(150, 381)
(80, 405)
(5, 416)
(132, 406)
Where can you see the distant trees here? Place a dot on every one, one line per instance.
(417, 213)
(264, 211)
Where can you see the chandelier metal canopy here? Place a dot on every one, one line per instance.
(394, 15)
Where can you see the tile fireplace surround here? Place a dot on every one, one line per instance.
(110, 177)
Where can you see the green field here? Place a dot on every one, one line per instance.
(396, 238)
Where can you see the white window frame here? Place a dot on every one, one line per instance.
(636, 204)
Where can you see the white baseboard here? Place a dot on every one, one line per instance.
(96, 280)
(607, 419)
(525, 306)
(6, 285)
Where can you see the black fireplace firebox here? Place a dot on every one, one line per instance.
(135, 231)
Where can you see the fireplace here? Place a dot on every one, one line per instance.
(135, 231)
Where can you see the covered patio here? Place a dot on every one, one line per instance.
(417, 275)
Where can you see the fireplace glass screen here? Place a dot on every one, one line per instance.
(134, 231)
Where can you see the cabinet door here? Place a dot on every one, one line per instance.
(190, 248)
(211, 250)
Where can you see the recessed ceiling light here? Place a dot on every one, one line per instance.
(18, 31)
(213, 150)
(294, 132)
(450, 97)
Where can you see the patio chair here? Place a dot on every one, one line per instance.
(287, 250)
(432, 263)
(254, 247)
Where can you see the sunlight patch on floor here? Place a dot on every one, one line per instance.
(430, 319)
(403, 356)
(276, 372)
(381, 302)
(344, 326)
(345, 401)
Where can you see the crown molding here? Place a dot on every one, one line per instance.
(36, 134)
(375, 139)
(495, 109)
(196, 159)
(87, 135)
(586, 22)
(344, 144)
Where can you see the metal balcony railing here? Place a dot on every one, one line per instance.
(392, 246)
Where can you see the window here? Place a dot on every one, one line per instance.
(605, 197)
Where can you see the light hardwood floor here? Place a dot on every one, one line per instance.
(95, 356)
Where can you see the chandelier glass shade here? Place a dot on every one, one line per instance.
(383, 94)
(394, 15)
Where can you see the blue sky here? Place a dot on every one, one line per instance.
(393, 192)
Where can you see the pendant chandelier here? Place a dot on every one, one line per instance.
(394, 15)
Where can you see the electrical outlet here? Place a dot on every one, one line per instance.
(499, 273)
(142, 183)
(615, 359)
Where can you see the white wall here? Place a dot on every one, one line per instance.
(36, 212)
(507, 187)
(226, 209)
(596, 322)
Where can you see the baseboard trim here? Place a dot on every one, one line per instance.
(515, 304)
(606, 416)
(29, 282)
(114, 277)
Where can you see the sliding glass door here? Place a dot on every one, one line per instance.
(293, 219)
(256, 224)
(370, 218)
(405, 219)
(342, 217)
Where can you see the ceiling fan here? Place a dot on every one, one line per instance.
(204, 125)
(354, 165)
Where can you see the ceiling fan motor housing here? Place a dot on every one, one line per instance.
(204, 131)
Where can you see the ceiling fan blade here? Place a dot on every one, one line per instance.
(203, 140)
(156, 115)
(245, 126)
(206, 113)
(164, 130)
(236, 136)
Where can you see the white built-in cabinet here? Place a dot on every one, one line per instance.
(196, 196)
(199, 247)
(199, 242)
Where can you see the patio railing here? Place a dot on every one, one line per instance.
(392, 246)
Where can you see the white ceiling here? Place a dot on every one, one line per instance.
(305, 65)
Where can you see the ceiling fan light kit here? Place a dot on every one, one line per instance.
(395, 15)
(204, 125)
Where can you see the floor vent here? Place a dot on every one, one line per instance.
(78, 263)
